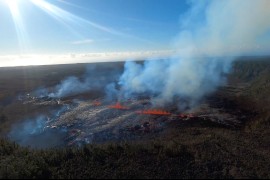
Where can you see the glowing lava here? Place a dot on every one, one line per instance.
(154, 112)
(96, 103)
(118, 106)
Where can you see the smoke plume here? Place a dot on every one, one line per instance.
(31, 133)
(95, 78)
(212, 34)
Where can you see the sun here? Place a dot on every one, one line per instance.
(15, 11)
(13, 6)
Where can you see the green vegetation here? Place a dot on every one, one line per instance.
(185, 152)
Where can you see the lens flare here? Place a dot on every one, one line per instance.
(71, 22)
(23, 38)
(68, 18)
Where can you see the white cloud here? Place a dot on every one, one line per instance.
(85, 41)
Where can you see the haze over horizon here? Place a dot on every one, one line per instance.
(37, 32)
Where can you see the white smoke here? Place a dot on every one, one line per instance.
(31, 133)
(223, 27)
(212, 33)
(71, 85)
(96, 77)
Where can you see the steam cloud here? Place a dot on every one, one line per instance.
(96, 77)
(31, 133)
(212, 33)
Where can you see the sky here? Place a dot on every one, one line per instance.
(38, 28)
(36, 32)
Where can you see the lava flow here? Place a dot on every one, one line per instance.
(96, 103)
(118, 106)
(154, 112)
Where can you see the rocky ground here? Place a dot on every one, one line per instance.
(227, 136)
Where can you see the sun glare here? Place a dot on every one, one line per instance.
(12, 4)
(71, 21)
(23, 39)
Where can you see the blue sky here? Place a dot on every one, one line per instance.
(126, 25)
(70, 31)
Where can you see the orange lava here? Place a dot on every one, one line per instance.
(96, 103)
(118, 106)
(154, 112)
